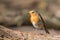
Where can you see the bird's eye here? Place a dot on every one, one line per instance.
(32, 12)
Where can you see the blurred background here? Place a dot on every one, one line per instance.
(15, 12)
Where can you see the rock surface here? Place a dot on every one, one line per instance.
(8, 34)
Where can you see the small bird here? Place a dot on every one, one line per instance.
(37, 20)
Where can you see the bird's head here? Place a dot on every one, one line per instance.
(32, 13)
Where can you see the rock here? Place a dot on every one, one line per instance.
(9, 34)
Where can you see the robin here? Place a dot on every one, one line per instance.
(37, 20)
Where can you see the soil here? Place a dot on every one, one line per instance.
(29, 33)
(32, 29)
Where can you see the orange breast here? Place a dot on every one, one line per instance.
(34, 18)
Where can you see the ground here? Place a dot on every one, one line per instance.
(28, 33)
(32, 29)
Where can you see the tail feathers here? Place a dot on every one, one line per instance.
(46, 30)
(44, 24)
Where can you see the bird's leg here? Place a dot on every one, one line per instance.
(35, 29)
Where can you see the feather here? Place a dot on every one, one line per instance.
(40, 17)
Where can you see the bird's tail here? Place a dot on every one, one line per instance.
(45, 28)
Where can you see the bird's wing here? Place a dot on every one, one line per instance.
(42, 21)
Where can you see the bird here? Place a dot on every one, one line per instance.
(37, 21)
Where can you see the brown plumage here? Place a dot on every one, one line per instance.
(37, 21)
